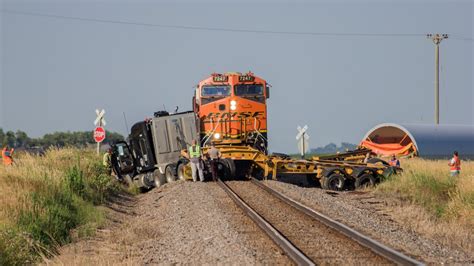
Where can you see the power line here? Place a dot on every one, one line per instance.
(461, 38)
(186, 27)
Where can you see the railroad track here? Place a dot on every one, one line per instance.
(306, 236)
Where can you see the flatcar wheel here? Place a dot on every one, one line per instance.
(334, 181)
(364, 181)
(169, 174)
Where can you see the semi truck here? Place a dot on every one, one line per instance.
(152, 154)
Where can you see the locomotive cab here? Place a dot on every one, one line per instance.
(231, 108)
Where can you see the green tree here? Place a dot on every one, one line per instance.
(22, 139)
(2, 136)
(9, 139)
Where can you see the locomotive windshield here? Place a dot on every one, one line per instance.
(248, 89)
(215, 91)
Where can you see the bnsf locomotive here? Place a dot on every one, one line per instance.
(232, 110)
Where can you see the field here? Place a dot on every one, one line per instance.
(47, 201)
(433, 202)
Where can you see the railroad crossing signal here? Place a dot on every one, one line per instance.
(303, 140)
(100, 120)
(99, 132)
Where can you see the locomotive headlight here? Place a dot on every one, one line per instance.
(233, 107)
(234, 103)
(217, 135)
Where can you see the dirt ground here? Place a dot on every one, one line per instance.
(182, 223)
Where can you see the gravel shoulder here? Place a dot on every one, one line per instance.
(376, 218)
(182, 223)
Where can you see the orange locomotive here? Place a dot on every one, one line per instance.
(232, 110)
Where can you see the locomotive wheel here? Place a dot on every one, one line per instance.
(335, 181)
(170, 177)
(231, 170)
(184, 173)
(365, 180)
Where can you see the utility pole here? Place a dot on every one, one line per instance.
(437, 38)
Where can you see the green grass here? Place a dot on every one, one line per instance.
(51, 199)
(429, 184)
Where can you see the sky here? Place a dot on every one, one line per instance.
(55, 72)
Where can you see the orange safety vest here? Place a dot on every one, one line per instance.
(393, 162)
(457, 164)
(7, 158)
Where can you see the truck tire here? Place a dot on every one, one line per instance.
(182, 174)
(334, 181)
(128, 179)
(160, 178)
(169, 174)
(364, 180)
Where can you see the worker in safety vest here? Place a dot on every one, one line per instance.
(7, 155)
(195, 156)
(107, 161)
(455, 164)
(394, 161)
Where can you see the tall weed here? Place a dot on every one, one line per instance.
(44, 199)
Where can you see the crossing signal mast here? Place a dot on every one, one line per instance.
(437, 38)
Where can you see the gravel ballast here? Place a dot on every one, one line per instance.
(321, 244)
(371, 216)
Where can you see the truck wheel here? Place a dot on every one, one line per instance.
(183, 173)
(335, 181)
(160, 178)
(365, 180)
(145, 181)
(128, 179)
(170, 177)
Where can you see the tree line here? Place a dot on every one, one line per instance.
(332, 148)
(80, 139)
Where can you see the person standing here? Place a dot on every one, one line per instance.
(7, 155)
(367, 157)
(394, 161)
(455, 164)
(215, 155)
(107, 161)
(195, 156)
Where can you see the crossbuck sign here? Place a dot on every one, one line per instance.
(303, 139)
(100, 120)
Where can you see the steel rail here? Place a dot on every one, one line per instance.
(363, 240)
(291, 250)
